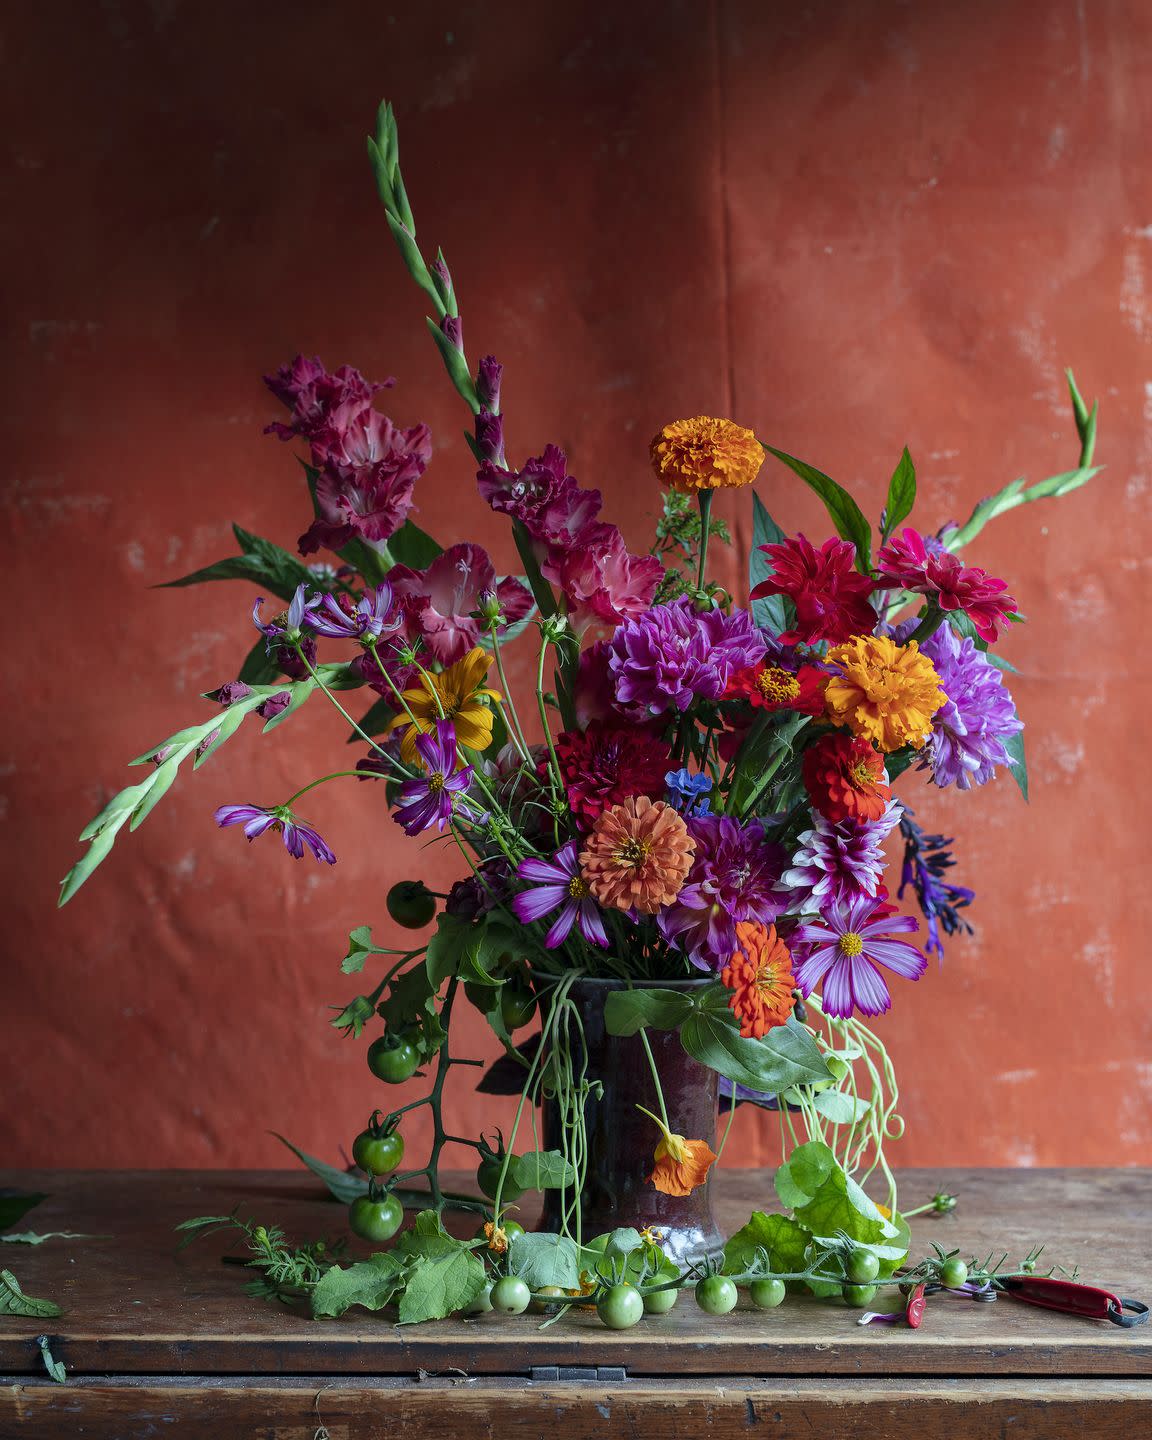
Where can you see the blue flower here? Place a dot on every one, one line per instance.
(688, 793)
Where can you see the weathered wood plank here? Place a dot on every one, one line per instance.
(133, 1305)
(724, 1408)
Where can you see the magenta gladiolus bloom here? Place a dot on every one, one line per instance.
(432, 798)
(844, 950)
(439, 603)
(258, 818)
(558, 883)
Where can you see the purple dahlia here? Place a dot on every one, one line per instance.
(838, 861)
(970, 731)
(665, 658)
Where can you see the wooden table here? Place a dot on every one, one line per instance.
(160, 1344)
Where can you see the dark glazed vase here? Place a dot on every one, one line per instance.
(621, 1140)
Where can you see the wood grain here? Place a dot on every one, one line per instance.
(133, 1306)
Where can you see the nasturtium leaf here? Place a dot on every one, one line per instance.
(901, 494)
(784, 1242)
(803, 1173)
(440, 1284)
(543, 1170)
(787, 1055)
(341, 1185)
(372, 1283)
(623, 1241)
(845, 514)
(839, 1107)
(626, 1012)
(541, 1260)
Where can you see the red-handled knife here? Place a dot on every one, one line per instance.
(1074, 1299)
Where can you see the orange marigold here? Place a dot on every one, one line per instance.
(760, 977)
(681, 1165)
(705, 454)
(884, 692)
(637, 856)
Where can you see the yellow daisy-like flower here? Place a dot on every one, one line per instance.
(457, 694)
(884, 692)
(705, 454)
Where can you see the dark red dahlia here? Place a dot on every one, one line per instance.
(607, 763)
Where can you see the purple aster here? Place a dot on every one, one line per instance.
(665, 658)
(733, 878)
(837, 862)
(366, 621)
(258, 818)
(558, 882)
(927, 860)
(286, 628)
(429, 799)
(688, 793)
(970, 729)
(843, 951)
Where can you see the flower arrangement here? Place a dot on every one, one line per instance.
(695, 790)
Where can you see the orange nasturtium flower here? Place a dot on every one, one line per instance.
(760, 977)
(704, 454)
(681, 1165)
(496, 1237)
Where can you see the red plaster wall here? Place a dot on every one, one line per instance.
(847, 225)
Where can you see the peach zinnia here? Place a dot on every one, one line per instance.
(637, 856)
(760, 977)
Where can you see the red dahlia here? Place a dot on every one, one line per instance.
(607, 763)
(830, 595)
(845, 779)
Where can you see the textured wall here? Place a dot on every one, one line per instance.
(851, 227)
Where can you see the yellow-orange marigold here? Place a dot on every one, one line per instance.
(883, 692)
(637, 856)
(760, 977)
(705, 453)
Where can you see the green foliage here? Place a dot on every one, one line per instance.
(33, 1237)
(773, 612)
(845, 514)
(541, 1260)
(787, 1055)
(901, 495)
(542, 1170)
(54, 1367)
(626, 1012)
(371, 1283)
(284, 1272)
(413, 547)
(782, 1240)
(341, 1185)
(258, 668)
(13, 1301)
(1015, 747)
(261, 562)
(677, 543)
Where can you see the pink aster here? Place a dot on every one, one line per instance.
(910, 562)
(843, 951)
(439, 603)
(830, 595)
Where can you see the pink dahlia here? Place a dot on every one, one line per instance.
(439, 603)
(607, 763)
(912, 562)
(830, 596)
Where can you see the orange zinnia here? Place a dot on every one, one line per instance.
(637, 856)
(681, 1165)
(760, 977)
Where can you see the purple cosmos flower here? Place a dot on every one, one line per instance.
(286, 628)
(665, 658)
(970, 730)
(927, 859)
(837, 862)
(843, 952)
(430, 799)
(733, 878)
(558, 882)
(688, 793)
(258, 818)
(369, 619)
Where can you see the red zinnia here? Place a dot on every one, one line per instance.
(845, 779)
(830, 596)
(606, 764)
(771, 687)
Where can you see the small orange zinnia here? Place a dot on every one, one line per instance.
(705, 454)
(760, 977)
(681, 1165)
(637, 856)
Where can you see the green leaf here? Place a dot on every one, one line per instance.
(13, 1301)
(626, 1012)
(623, 1241)
(802, 1174)
(13, 1206)
(839, 1205)
(371, 1283)
(341, 1185)
(258, 667)
(773, 612)
(413, 547)
(840, 1108)
(846, 515)
(543, 1170)
(787, 1055)
(426, 1236)
(32, 1237)
(456, 365)
(54, 1367)
(541, 1260)
(471, 950)
(262, 563)
(360, 946)
(901, 495)
(441, 1284)
(374, 721)
(1015, 747)
(780, 1237)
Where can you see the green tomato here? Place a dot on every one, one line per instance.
(411, 904)
(716, 1295)
(859, 1295)
(620, 1307)
(659, 1302)
(543, 1302)
(488, 1178)
(517, 1005)
(953, 1272)
(510, 1296)
(378, 1154)
(862, 1267)
(482, 996)
(482, 1303)
(393, 1060)
(767, 1292)
(375, 1220)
